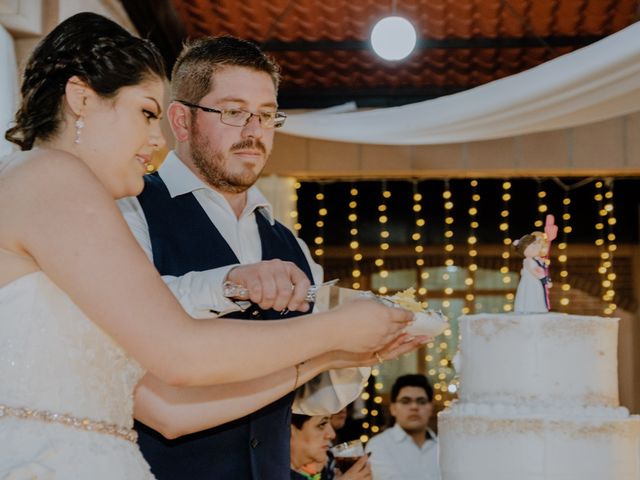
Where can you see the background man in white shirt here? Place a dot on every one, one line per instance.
(223, 113)
(409, 449)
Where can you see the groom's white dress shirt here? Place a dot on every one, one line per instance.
(201, 293)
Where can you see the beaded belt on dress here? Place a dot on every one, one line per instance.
(69, 421)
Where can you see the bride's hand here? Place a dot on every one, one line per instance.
(367, 325)
(401, 345)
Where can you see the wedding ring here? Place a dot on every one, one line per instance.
(379, 357)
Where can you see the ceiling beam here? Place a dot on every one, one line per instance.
(364, 97)
(429, 43)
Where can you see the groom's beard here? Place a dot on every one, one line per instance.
(212, 164)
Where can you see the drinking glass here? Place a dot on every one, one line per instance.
(347, 453)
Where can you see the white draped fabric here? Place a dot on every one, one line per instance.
(8, 87)
(597, 82)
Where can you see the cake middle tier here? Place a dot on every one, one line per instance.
(494, 444)
(547, 359)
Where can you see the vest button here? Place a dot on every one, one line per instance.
(255, 442)
(255, 313)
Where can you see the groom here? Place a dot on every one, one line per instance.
(204, 222)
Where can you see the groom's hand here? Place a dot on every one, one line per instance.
(273, 284)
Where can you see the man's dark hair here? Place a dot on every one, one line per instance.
(298, 420)
(412, 380)
(191, 78)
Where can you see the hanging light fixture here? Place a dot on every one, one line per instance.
(393, 37)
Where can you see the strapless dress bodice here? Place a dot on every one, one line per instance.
(52, 357)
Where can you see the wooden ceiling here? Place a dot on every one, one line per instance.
(325, 55)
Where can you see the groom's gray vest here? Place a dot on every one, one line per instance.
(255, 447)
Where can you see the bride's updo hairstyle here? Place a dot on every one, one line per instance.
(96, 50)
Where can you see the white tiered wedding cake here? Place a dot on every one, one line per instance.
(538, 401)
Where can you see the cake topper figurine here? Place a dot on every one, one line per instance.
(532, 295)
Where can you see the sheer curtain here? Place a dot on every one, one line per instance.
(8, 87)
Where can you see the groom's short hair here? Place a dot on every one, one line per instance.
(192, 74)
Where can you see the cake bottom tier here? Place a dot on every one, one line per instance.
(474, 447)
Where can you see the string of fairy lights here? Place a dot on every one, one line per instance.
(563, 257)
(322, 213)
(606, 242)
(438, 354)
(354, 243)
(417, 237)
(472, 242)
(384, 235)
(507, 306)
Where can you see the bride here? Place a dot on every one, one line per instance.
(83, 313)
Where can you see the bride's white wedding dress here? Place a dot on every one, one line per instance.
(54, 360)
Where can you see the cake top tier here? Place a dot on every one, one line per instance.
(548, 359)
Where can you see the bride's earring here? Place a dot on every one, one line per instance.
(79, 127)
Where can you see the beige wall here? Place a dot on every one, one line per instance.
(606, 148)
(28, 20)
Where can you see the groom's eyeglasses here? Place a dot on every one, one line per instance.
(237, 117)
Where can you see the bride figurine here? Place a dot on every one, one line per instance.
(532, 295)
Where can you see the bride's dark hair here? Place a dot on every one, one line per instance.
(91, 47)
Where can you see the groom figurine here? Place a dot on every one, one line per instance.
(203, 222)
